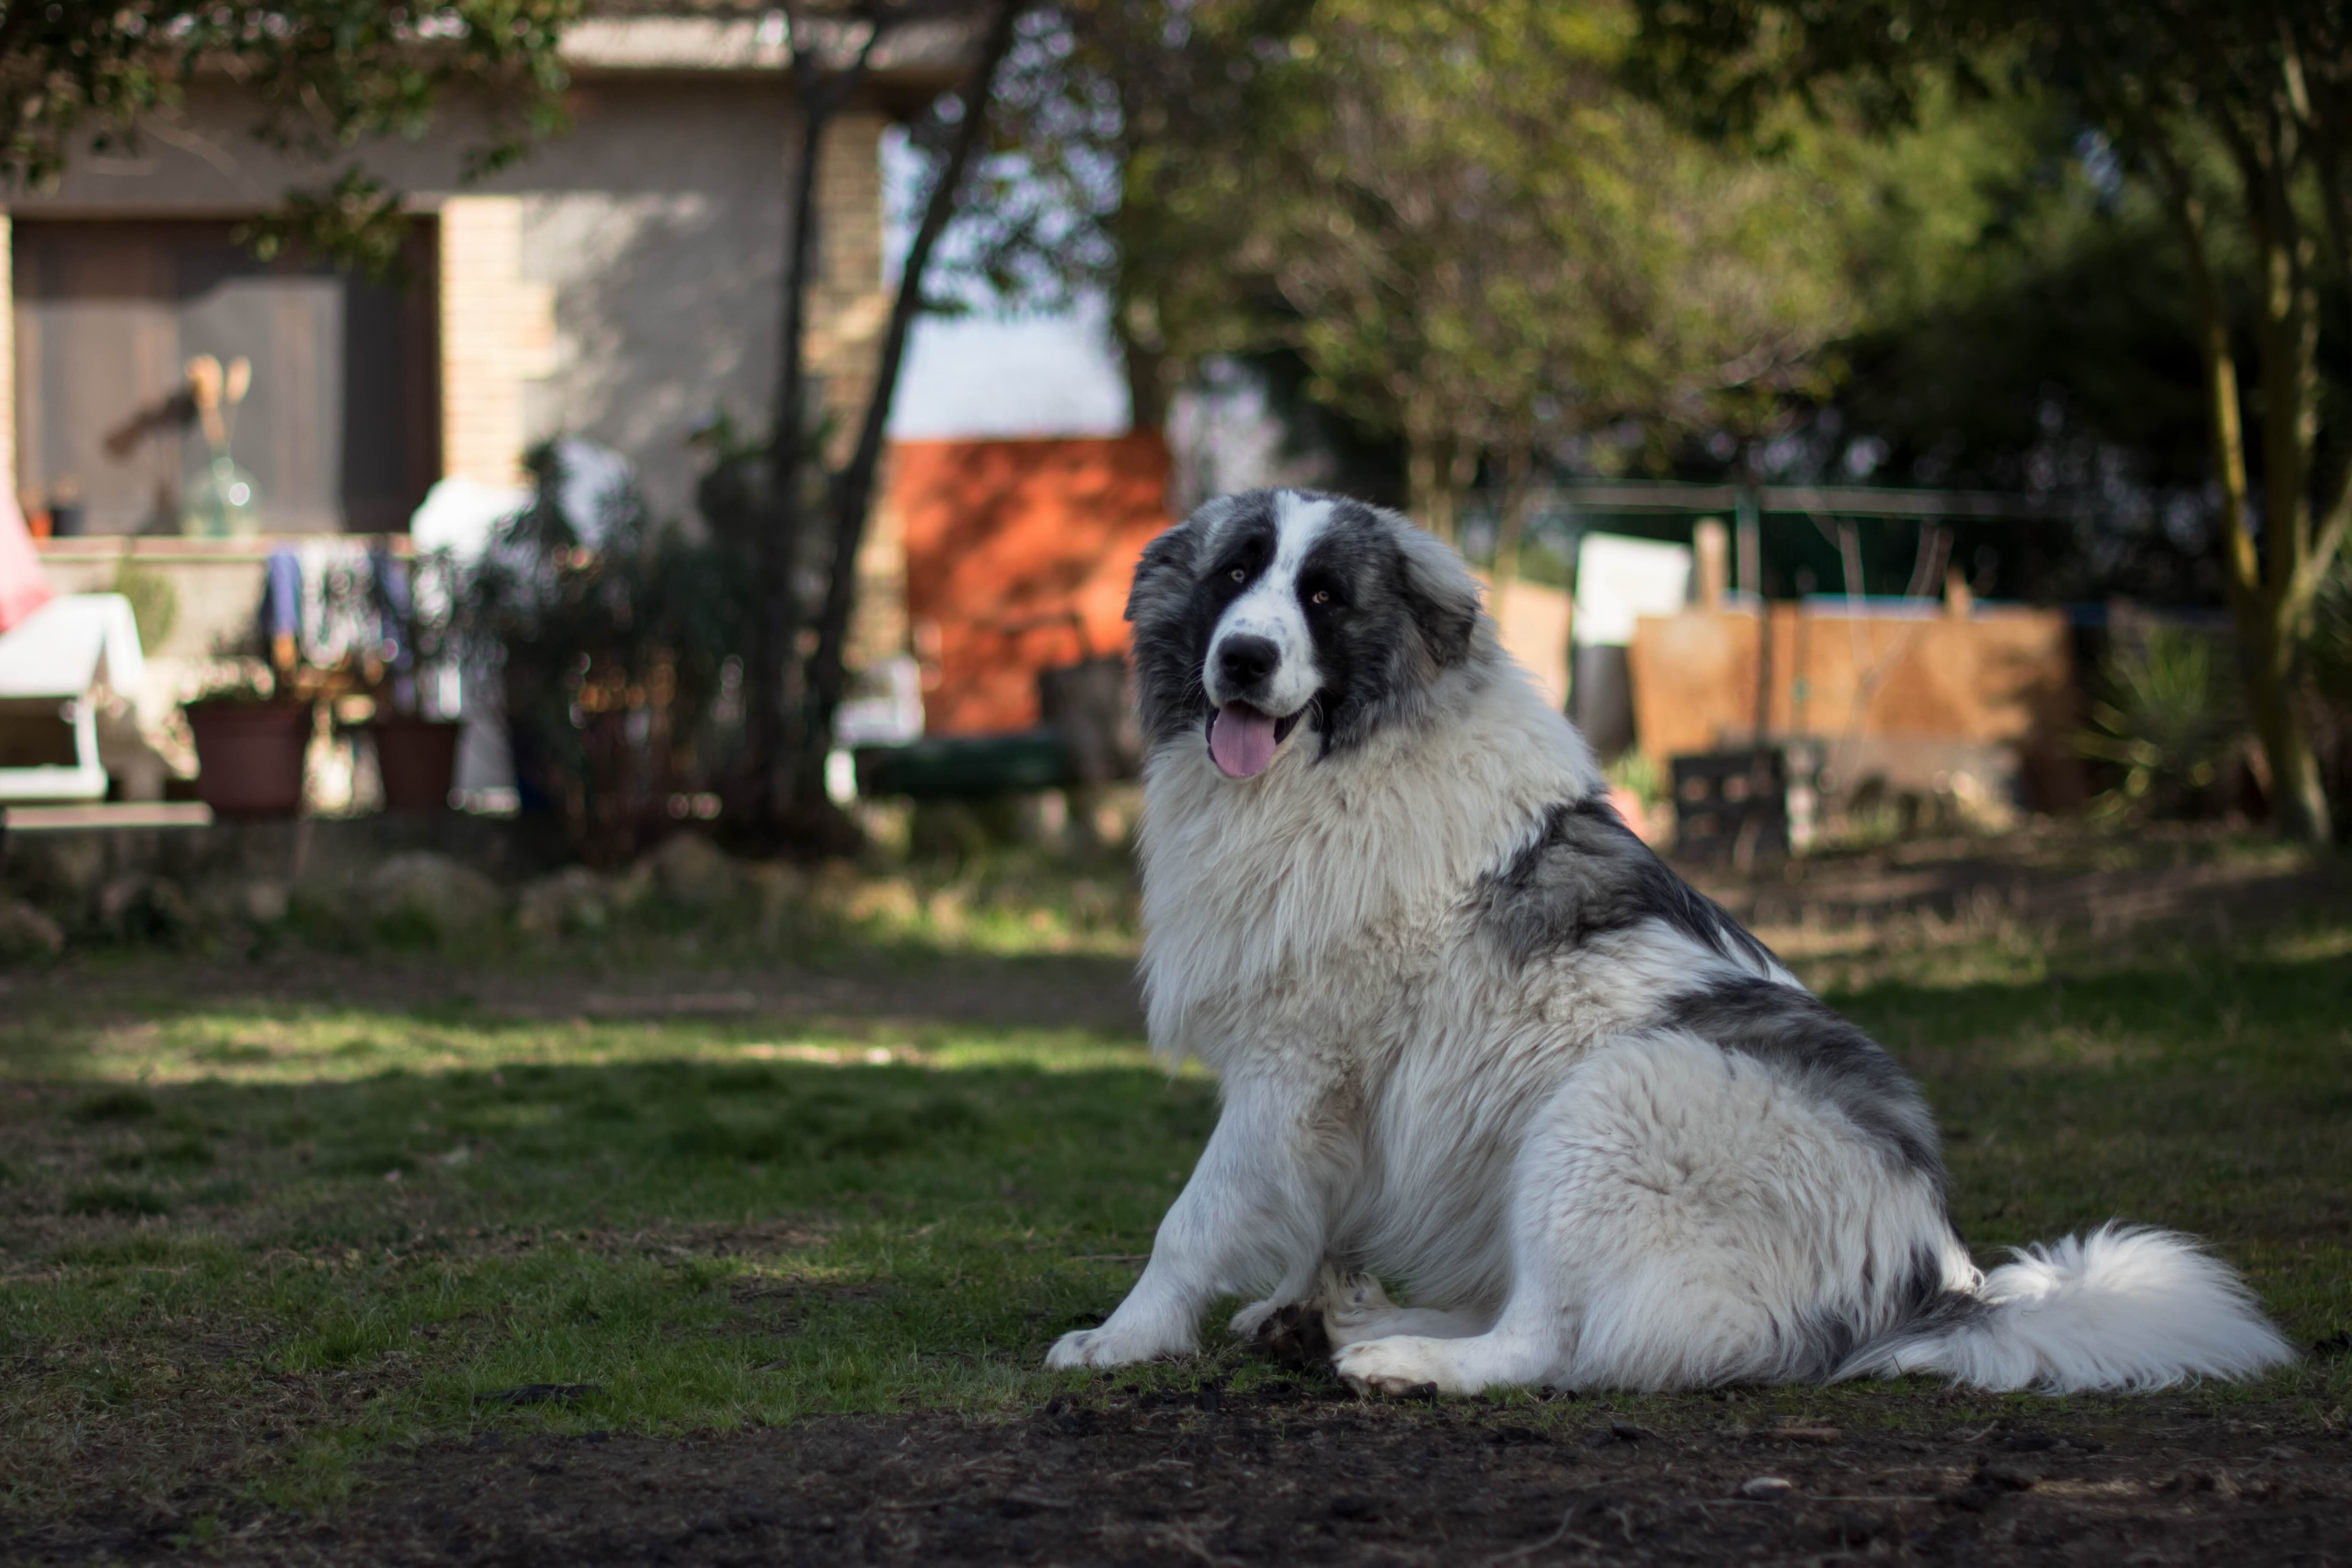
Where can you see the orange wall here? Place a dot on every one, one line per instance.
(1012, 547)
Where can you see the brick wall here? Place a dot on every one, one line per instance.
(849, 308)
(497, 334)
(846, 317)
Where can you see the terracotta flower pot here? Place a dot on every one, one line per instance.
(250, 756)
(417, 758)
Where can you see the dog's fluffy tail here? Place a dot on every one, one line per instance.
(2124, 1308)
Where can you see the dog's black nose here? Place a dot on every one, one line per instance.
(1247, 660)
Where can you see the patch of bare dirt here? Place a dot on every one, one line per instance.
(1958, 889)
(1295, 1474)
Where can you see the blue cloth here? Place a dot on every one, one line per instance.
(281, 597)
(393, 602)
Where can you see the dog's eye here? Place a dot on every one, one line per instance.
(1239, 574)
(1320, 596)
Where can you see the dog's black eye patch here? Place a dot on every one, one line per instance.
(1322, 591)
(1244, 561)
(1239, 565)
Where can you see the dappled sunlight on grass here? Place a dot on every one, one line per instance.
(237, 1043)
(262, 1237)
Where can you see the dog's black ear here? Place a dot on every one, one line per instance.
(1441, 595)
(1165, 566)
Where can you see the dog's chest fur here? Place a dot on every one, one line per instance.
(1317, 919)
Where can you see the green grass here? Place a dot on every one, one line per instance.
(256, 1242)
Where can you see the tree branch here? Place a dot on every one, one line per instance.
(853, 489)
(772, 695)
(2221, 371)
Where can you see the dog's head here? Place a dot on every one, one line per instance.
(1266, 612)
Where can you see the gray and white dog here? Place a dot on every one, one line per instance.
(1472, 1035)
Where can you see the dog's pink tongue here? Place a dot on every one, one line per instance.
(1241, 742)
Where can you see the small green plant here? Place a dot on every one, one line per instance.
(1637, 773)
(247, 683)
(618, 639)
(2168, 721)
(154, 603)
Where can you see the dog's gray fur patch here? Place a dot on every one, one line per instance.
(1819, 1347)
(1939, 1315)
(1800, 1036)
(1587, 875)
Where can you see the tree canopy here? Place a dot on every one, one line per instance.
(2236, 115)
(323, 77)
(1461, 223)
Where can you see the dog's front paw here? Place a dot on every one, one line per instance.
(1111, 1345)
(1401, 1367)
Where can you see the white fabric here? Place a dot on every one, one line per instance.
(339, 614)
(596, 481)
(1618, 579)
(66, 647)
(460, 517)
(461, 514)
(887, 710)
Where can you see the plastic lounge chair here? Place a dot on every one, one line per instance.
(49, 664)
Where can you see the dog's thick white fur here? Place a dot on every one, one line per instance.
(1471, 1038)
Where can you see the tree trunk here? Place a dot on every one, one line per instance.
(773, 687)
(1422, 466)
(2299, 808)
(1511, 530)
(1461, 473)
(772, 691)
(851, 495)
(1144, 358)
(2262, 609)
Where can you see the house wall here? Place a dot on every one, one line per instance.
(622, 282)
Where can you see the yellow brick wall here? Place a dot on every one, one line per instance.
(848, 310)
(497, 332)
(845, 320)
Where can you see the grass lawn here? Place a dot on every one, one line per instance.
(249, 1247)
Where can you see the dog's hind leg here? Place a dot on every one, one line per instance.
(1298, 1290)
(1684, 1218)
(1381, 1348)
(1633, 1208)
(1521, 1348)
(1355, 1309)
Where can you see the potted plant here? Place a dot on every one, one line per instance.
(415, 749)
(617, 642)
(417, 757)
(250, 742)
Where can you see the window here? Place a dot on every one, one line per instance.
(339, 430)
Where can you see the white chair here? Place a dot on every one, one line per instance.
(59, 655)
